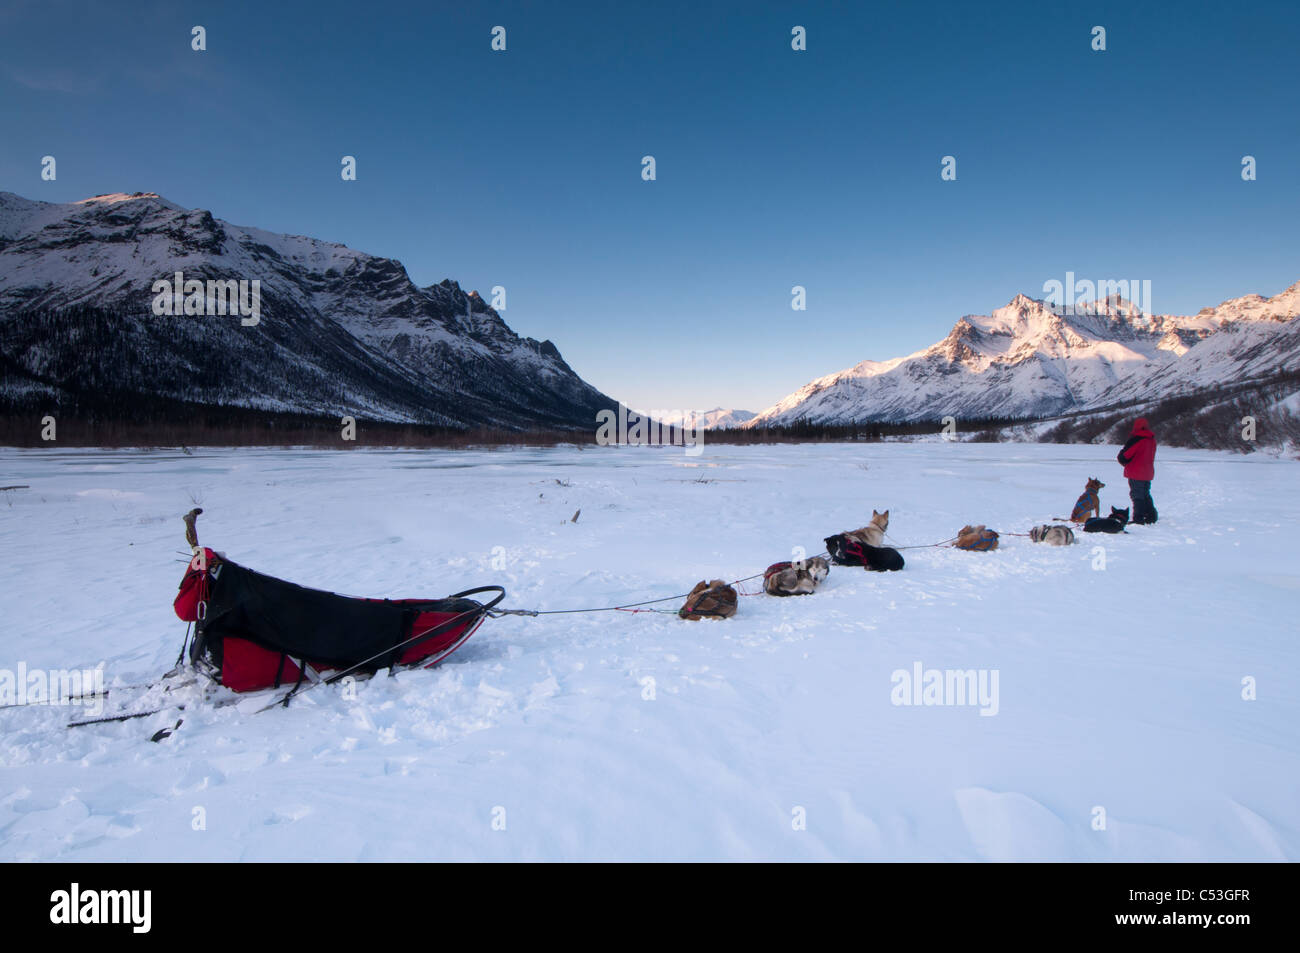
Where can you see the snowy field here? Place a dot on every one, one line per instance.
(626, 736)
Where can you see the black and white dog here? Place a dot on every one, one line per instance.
(847, 550)
(1114, 523)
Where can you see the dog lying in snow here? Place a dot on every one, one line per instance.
(1089, 502)
(977, 538)
(1114, 523)
(709, 600)
(881, 558)
(873, 534)
(847, 549)
(795, 579)
(1052, 535)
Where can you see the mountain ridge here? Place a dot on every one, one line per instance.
(365, 337)
(1030, 359)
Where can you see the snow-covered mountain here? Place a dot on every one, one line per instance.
(716, 419)
(340, 332)
(720, 419)
(1255, 338)
(1029, 359)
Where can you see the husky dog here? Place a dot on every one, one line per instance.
(846, 549)
(795, 579)
(979, 538)
(1052, 535)
(1107, 524)
(873, 534)
(709, 600)
(1089, 502)
(882, 558)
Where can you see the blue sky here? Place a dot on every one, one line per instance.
(775, 168)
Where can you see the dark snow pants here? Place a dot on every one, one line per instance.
(1144, 508)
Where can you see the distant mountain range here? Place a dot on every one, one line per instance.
(343, 333)
(715, 419)
(340, 332)
(1032, 360)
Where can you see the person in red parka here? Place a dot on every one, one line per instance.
(1139, 459)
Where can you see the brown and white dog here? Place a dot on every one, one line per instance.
(873, 534)
(709, 600)
(978, 538)
(1088, 503)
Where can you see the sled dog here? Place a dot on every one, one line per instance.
(1089, 502)
(1052, 535)
(847, 550)
(977, 538)
(873, 534)
(1107, 524)
(795, 579)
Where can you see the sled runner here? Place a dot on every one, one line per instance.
(255, 631)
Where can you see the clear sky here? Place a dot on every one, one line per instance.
(775, 168)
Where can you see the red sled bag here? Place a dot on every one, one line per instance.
(256, 632)
(194, 586)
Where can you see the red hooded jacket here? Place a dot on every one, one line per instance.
(1139, 454)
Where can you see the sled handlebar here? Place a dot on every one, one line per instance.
(499, 590)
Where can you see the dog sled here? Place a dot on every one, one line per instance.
(254, 632)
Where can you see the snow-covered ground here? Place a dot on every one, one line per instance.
(620, 735)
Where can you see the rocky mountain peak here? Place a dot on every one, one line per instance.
(340, 331)
(1028, 359)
